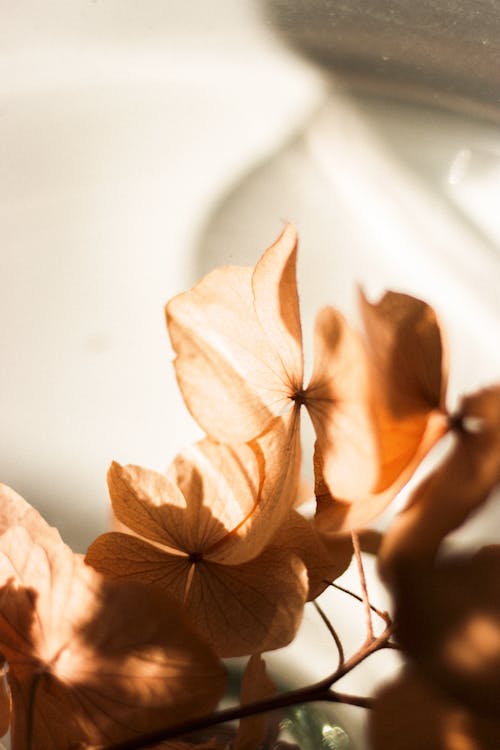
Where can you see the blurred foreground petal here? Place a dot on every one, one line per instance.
(411, 714)
(450, 494)
(449, 623)
(109, 657)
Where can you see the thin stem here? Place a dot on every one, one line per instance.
(363, 653)
(364, 588)
(332, 631)
(384, 615)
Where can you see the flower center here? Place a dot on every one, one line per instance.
(299, 397)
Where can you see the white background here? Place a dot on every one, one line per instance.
(120, 124)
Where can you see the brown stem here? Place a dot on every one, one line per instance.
(307, 695)
(364, 588)
(363, 653)
(332, 632)
(314, 693)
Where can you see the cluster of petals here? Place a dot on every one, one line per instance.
(376, 404)
(212, 558)
(203, 533)
(90, 661)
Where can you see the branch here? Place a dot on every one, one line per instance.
(314, 693)
(295, 697)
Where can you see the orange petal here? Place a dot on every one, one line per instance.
(461, 484)
(403, 445)
(223, 478)
(274, 283)
(109, 657)
(255, 686)
(239, 609)
(235, 485)
(408, 379)
(338, 399)
(230, 372)
(14, 510)
(334, 515)
(324, 559)
(406, 348)
(233, 498)
(123, 556)
(278, 455)
(152, 506)
(249, 608)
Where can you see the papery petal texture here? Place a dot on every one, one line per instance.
(335, 515)
(338, 400)
(205, 533)
(109, 657)
(224, 502)
(407, 351)
(404, 375)
(276, 301)
(373, 403)
(239, 609)
(325, 559)
(233, 377)
(409, 373)
(247, 489)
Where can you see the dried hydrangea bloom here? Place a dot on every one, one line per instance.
(90, 660)
(244, 597)
(239, 364)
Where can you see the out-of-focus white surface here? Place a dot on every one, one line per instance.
(120, 124)
(390, 196)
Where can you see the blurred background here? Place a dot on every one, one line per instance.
(143, 143)
(121, 125)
